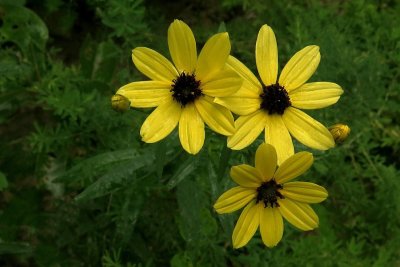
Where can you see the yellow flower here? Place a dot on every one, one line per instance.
(269, 196)
(273, 104)
(184, 92)
(340, 132)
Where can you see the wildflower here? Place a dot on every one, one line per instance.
(120, 103)
(339, 132)
(269, 196)
(184, 92)
(274, 105)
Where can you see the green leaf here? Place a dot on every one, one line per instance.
(184, 170)
(14, 248)
(3, 181)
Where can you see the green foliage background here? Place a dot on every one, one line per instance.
(79, 188)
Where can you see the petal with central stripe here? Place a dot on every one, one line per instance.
(161, 122)
(153, 64)
(245, 101)
(247, 225)
(246, 176)
(307, 130)
(271, 226)
(146, 94)
(266, 161)
(278, 135)
(234, 199)
(315, 95)
(248, 128)
(217, 117)
(213, 56)
(293, 167)
(304, 192)
(182, 46)
(235, 64)
(300, 68)
(191, 129)
(225, 83)
(300, 215)
(267, 55)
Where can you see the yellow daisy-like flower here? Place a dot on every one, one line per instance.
(274, 104)
(269, 196)
(184, 92)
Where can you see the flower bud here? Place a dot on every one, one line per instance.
(120, 103)
(339, 132)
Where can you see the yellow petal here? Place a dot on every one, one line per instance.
(307, 130)
(304, 192)
(182, 46)
(146, 94)
(161, 122)
(246, 176)
(271, 226)
(266, 161)
(248, 128)
(217, 117)
(315, 95)
(246, 225)
(234, 199)
(245, 101)
(278, 135)
(241, 69)
(267, 55)
(301, 215)
(225, 83)
(294, 166)
(300, 68)
(213, 56)
(153, 64)
(191, 129)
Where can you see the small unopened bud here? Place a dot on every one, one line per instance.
(339, 132)
(120, 103)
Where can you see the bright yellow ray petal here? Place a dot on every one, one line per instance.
(234, 199)
(271, 226)
(294, 166)
(213, 56)
(300, 68)
(153, 64)
(267, 55)
(307, 130)
(182, 46)
(146, 94)
(248, 128)
(161, 122)
(300, 215)
(191, 129)
(246, 225)
(217, 117)
(245, 101)
(315, 95)
(246, 176)
(266, 161)
(278, 135)
(225, 83)
(304, 192)
(248, 76)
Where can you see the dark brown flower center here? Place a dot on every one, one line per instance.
(185, 89)
(275, 99)
(268, 193)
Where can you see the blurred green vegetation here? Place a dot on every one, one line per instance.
(79, 188)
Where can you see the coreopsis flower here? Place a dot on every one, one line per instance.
(274, 104)
(339, 132)
(184, 92)
(269, 195)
